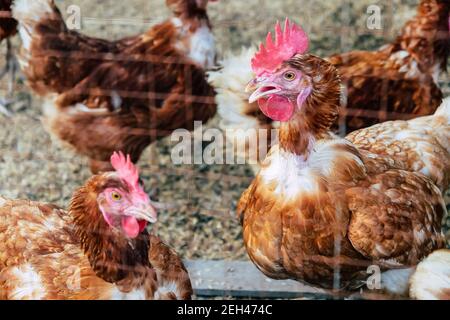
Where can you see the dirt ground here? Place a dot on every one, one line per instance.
(201, 225)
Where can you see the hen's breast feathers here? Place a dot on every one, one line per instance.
(361, 191)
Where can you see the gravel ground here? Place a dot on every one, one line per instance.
(201, 224)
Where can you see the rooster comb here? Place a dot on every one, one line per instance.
(125, 168)
(289, 42)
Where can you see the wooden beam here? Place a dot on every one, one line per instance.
(242, 279)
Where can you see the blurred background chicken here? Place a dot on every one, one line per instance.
(98, 249)
(398, 81)
(321, 203)
(199, 227)
(7, 29)
(102, 96)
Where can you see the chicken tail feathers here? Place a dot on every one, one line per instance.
(229, 82)
(238, 117)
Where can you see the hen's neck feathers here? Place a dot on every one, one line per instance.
(320, 110)
(112, 257)
(426, 37)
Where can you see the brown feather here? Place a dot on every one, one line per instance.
(47, 253)
(8, 25)
(133, 91)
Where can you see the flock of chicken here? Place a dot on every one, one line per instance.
(319, 206)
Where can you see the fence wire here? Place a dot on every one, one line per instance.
(207, 202)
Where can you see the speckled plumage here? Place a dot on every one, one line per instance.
(49, 253)
(105, 96)
(419, 145)
(323, 204)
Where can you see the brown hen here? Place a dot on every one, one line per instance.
(323, 209)
(90, 251)
(102, 96)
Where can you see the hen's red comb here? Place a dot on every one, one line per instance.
(125, 168)
(288, 43)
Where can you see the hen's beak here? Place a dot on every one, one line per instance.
(144, 212)
(261, 89)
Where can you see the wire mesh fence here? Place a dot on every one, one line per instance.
(199, 220)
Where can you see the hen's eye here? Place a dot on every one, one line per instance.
(116, 196)
(289, 75)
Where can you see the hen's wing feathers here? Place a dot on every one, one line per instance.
(28, 228)
(56, 58)
(398, 209)
(136, 89)
(129, 123)
(389, 224)
(372, 80)
(39, 252)
(419, 145)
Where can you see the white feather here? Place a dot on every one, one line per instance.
(230, 82)
(29, 284)
(136, 294)
(432, 277)
(166, 288)
(28, 13)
